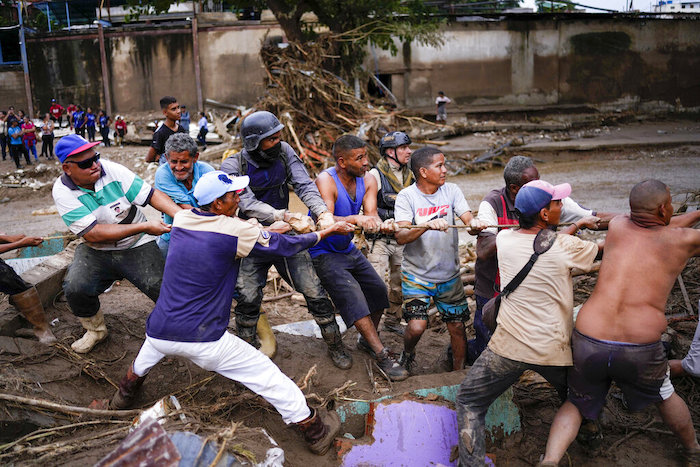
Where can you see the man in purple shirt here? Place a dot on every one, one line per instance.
(192, 313)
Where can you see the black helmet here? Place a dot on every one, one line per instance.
(393, 139)
(258, 126)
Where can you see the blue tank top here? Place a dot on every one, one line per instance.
(344, 206)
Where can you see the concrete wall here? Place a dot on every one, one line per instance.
(145, 65)
(522, 59)
(144, 68)
(230, 63)
(537, 60)
(12, 88)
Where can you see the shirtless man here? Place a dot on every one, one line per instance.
(618, 330)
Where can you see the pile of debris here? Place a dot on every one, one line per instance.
(316, 106)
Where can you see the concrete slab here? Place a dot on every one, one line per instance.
(47, 277)
(407, 433)
(502, 418)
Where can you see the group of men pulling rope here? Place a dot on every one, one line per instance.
(225, 228)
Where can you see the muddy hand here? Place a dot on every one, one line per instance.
(437, 224)
(157, 227)
(302, 224)
(338, 228)
(591, 222)
(279, 227)
(389, 226)
(476, 226)
(369, 224)
(325, 220)
(31, 241)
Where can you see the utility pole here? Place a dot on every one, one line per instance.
(106, 82)
(25, 64)
(195, 54)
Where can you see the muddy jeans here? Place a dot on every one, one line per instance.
(93, 271)
(385, 257)
(490, 376)
(297, 270)
(10, 282)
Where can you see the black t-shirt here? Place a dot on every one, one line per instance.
(161, 135)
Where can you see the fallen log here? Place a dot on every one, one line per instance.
(68, 409)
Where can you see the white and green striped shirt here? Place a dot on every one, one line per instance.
(117, 192)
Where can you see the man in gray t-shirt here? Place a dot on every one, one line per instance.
(430, 267)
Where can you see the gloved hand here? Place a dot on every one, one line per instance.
(325, 220)
(301, 223)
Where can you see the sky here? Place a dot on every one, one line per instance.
(619, 5)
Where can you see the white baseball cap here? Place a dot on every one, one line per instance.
(213, 185)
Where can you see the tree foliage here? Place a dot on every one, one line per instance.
(352, 23)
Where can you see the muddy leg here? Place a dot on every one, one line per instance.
(490, 376)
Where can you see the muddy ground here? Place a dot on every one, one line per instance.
(211, 403)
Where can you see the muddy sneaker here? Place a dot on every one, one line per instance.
(364, 346)
(407, 360)
(392, 324)
(691, 457)
(590, 435)
(393, 370)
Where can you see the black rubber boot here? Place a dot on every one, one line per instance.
(389, 365)
(247, 330)
(331, 334)
(129, 388)
(408, 360)
(319, 430)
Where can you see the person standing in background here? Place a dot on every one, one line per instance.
(47, 137)
(185, 119)
(103, 120)
(29, 136)
(90, 120)
(441, 104)
(79, 121)
(70, 110)
(203, 129)
(56, 111)
(119, 131)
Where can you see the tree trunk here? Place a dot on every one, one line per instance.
(289, 18)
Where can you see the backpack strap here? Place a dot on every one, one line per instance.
(543, 242)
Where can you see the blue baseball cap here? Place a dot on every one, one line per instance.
(213, 185)
(71, 145)
(535, 195)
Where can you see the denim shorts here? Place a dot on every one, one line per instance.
(449, 297)
(352, 283)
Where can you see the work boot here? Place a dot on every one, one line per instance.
(248, 334)
(364, 346)
(691, 457)
(590, 435)
(95, 332)
(392, 323)
(29, 304)
(407, 360)
(331, 334)
(393, 370)
(320, 429)
(129, 388)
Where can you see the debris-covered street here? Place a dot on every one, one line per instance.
(210, 403)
